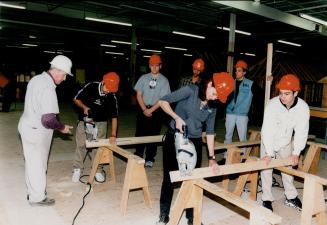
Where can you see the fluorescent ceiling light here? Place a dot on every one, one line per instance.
(30, 45)
(150, 50)
(175, 48)
(115, 53)
(289, 43)
(12, 6)
(110, 46)
(281, 51)
(51, 52)
(249, 54)
(188, 55)
(189, 35)
(314, 19)
(108, 21)
(146, 56)
(236, 31)
(32, 36)
(122, 42)
(15, 46)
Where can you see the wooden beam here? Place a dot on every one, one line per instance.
(318, 144)
(248, 205)
(268, 72)
(125, 141)
(302, 174)
(219, 145)
(229, 169)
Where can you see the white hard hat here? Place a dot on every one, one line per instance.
(63, 63)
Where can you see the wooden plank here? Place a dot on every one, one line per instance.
(247, 205)
(125, 141)
(229, 169)
(219, 145)
(268, 72)
(318, 112)
(302, 174)
(318, 144)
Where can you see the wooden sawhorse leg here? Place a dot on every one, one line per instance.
(189, 196)
(135, 177)
(103, 155)
(233, 156)
(311, 161)
(313, 202)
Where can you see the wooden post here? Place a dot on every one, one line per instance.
(189, 196)
(268, 71)
(135, 177)
(233, 156)
(103, 155)
(313, 202)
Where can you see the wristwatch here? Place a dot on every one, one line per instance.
(211, 157)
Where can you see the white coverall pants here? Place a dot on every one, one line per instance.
(266, 177)
(36, 146)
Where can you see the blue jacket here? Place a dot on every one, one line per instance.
(242, 104)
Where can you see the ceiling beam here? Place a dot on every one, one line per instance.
(269, 12)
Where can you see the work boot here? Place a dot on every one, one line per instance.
(163, 219)
(294, 203)
(268, 205)
(44, 202)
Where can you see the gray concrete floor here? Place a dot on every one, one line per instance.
(102, 205)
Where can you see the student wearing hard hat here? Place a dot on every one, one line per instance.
(96, 101)
(149, 89)
(284, 134)
(36, 126)
(198, 67)
(239, 105)
(195, 106)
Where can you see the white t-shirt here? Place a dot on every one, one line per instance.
(279, 123)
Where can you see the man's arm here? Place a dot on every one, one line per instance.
(114, 125)
(81, 105)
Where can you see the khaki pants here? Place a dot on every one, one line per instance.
(266, 177)
(80, 137)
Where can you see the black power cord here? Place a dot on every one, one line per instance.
(89, 190)
(90, 187)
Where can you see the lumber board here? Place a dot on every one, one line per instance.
(219, 145)
(229, 169)
(318, 144)
(125, 141)
(302, 174)
(247, 205)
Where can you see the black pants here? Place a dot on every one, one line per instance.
(148, 126)
(170, 164)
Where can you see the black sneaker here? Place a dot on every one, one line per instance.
(44, 202)
(163, 219)
(294, 203)
(268, 205)
(190, 222)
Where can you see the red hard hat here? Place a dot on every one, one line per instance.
(198, 64)
(155, 60)
(111, 81)
(289, 82)
(242, 64)
(224, 84)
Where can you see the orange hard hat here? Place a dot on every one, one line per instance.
(242, 64)
(224, 84)
(289, 82)
(155, 59)
(111, 81)
(198, 64)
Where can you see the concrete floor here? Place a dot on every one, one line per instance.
(102, 205)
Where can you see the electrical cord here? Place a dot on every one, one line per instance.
(90, 187)
(89, 190)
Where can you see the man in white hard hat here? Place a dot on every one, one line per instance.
(36, 126)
